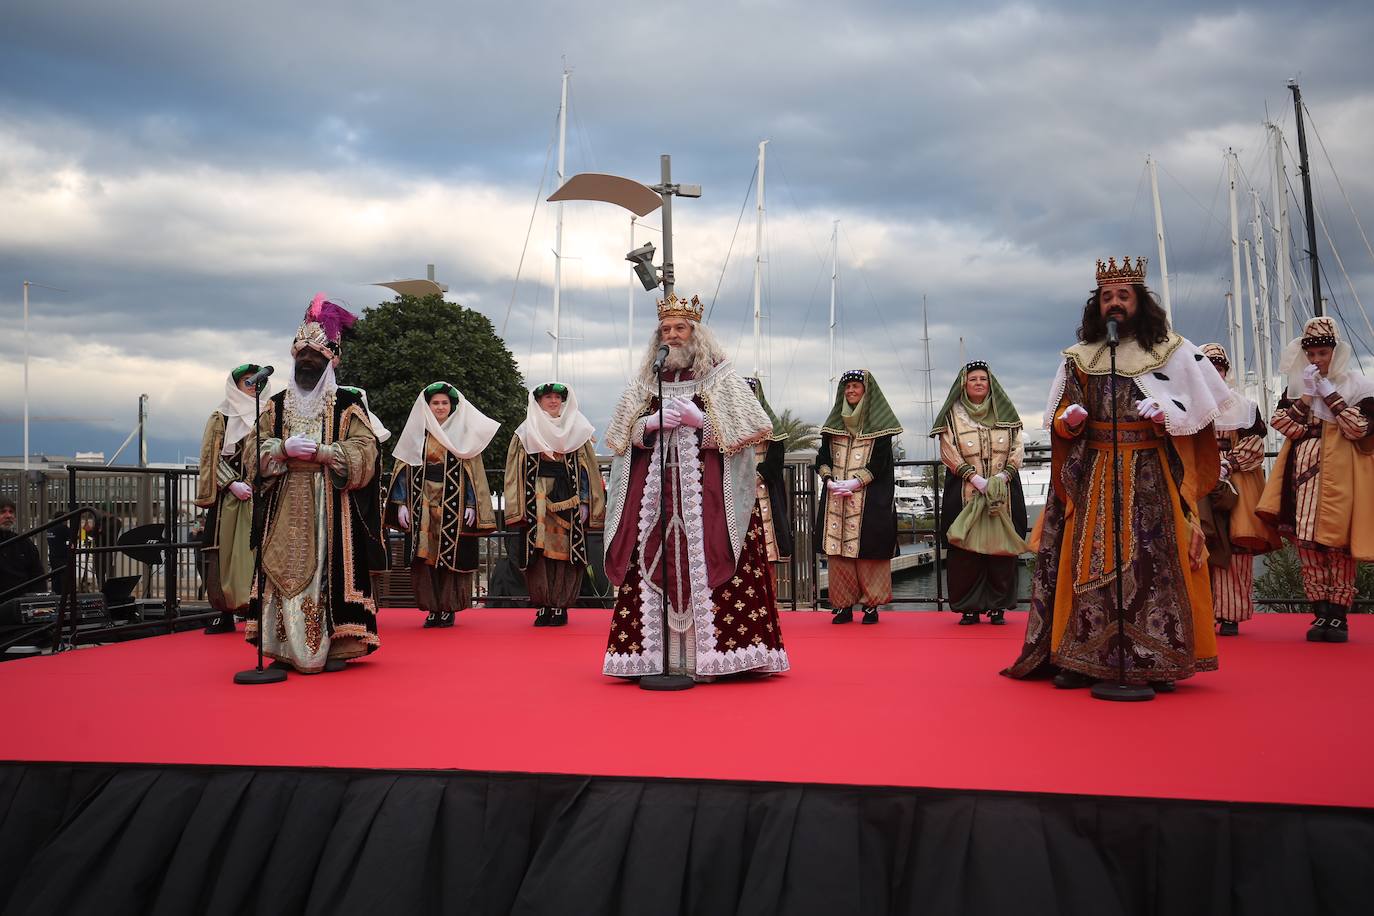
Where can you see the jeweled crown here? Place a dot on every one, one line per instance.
(673, 307)
(1110, 272)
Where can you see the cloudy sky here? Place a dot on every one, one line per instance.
(190, 174)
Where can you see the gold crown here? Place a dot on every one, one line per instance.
(1111, 273)
(673, 307)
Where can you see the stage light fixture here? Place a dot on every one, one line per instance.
(643, 260)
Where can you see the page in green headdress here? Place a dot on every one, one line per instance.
(996, 409)
(876, 417)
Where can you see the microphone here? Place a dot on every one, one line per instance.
(259, 378)
(661, 357)
(1113, 335)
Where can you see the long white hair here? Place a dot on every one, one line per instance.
(705, 351)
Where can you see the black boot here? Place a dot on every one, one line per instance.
(1072, 680)
(1229, 628)
(870, 615)
(445, 619)
(1337, 627)
(996, 619)
(1317, 632)
(431, 620)
(224, 623)
(969, 619)
(558, 617)
(541, 617)
(843, 615)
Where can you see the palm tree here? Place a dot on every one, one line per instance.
(800, 434)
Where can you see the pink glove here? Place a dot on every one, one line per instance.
(980, 483)
(469, 516)
(583, 513)
(671, 418)
(1225, 469)
(403, 517)
(240, 490)
(300, 447)
(837, 488)
(690, 413)
(1074, 414)
(1149, 409)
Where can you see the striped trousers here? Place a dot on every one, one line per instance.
(1328, 575)
(1233, 597)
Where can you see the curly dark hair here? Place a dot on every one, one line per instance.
(1150, 325)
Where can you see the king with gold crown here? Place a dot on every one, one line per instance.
(721, 614)
(1167, 397)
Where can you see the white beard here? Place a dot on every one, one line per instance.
(680, 357)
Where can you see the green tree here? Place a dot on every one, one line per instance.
(399, 347)
(800, 434)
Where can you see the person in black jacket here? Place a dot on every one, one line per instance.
(19, 560)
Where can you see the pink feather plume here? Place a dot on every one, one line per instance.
(334, 318)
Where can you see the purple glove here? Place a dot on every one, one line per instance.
(1309, 379)
(403, 517)
(469, 516)
(240, 490)
(980, 483)
(583, 513)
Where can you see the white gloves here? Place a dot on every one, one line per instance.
(1225, 469)
(300, 447)
(469, 516)
(403, 517)
(1149, 409)
(672, 419)
(1324, 387)
(980, 483)
(240, 490)
(690, 413)
(843, 487)
(1074, 414)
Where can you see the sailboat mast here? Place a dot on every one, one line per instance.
(1263, 345)
(1159, 239)
(758, 265)
(834, 279)
(930, 404)
(1236, 317)
(558, 226)
(1306, 172)
(1279, 215)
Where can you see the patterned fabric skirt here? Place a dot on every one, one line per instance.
(737, 630)
(859, 582)
(440, 591)
(553, 583)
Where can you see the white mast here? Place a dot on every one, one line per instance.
(1252, 307)
(558, 227)
(26, 386)
(1263, 346)
(834, 278)
(930, 403)
(758, 265)
(1237, 321)
(630, 307)
(1279, 215)
(1159, 238)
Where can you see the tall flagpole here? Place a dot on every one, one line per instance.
(558, 227)
(834, 278)
(758, 265)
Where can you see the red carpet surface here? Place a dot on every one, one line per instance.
(915, 701)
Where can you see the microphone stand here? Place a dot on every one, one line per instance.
(664, 680)
(1103, 690)
(258, 675)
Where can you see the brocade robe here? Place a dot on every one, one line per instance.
(227, 551)
(322, 534)
(437, 495)
(721, 609)
(1167, 603)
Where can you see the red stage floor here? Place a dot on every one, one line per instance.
(914, 701)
